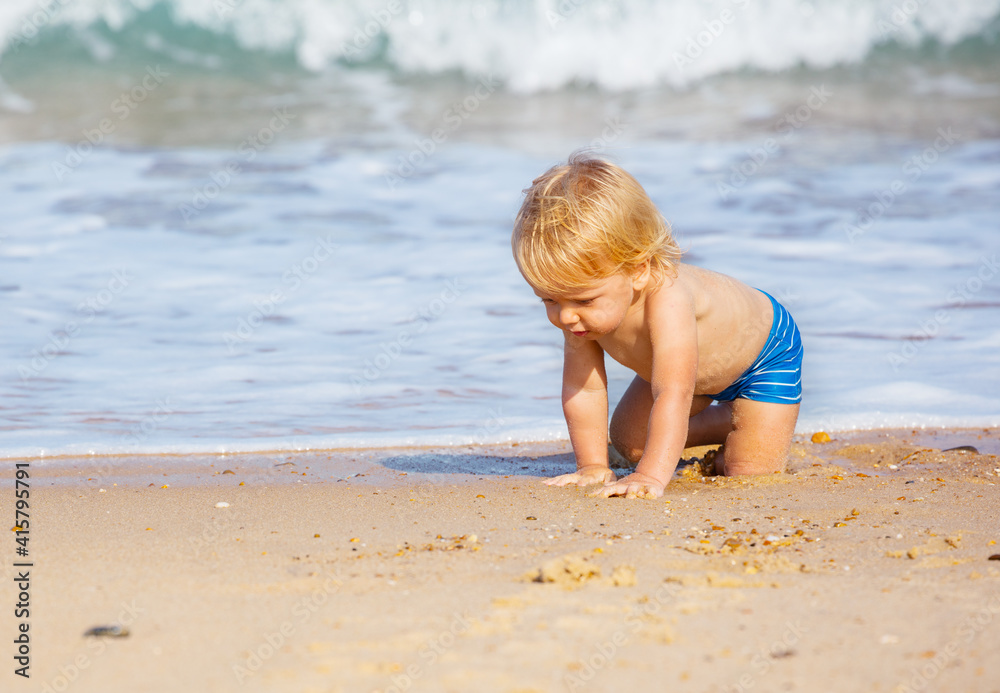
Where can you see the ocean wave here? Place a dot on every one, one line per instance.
(532, 45)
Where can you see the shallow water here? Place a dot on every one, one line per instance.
(266, 253)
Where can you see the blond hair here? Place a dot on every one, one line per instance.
(586, 220)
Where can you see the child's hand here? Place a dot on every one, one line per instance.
(634, 485)
(584, 476)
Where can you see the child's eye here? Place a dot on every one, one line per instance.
(585, 301)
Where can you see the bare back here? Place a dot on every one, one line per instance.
(732, 324)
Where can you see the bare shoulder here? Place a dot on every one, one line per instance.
(691, 291)
(674, 303)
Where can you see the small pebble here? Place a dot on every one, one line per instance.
(821, 437)
(107, 632)
(531, 517)
(994, 557)
(228, 471)
(963, 448)
(222, 504)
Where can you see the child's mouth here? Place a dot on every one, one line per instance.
(581, 334)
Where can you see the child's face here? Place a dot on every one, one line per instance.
(595, 310)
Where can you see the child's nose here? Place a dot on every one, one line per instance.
(568, 316)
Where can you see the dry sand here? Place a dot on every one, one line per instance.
(865, 567)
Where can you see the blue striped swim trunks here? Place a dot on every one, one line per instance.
(776, 375)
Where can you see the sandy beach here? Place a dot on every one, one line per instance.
(865, 567)
(243, 227)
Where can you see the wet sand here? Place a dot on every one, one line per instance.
(865, 567)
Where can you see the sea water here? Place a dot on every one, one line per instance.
(257, 225)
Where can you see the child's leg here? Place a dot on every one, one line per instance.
(760, 438)
(711, 425)
(631, 419)
(708, 425)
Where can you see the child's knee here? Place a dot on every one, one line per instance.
(625, 438)
(630, 454)
(730, 462)
(753, 468)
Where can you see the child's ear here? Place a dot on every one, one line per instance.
(641, 276)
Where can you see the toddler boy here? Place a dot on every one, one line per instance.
(716, 361)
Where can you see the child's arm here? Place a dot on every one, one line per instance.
(674, 336)
(585, 405)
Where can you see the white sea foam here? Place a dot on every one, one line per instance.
(530, 45)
